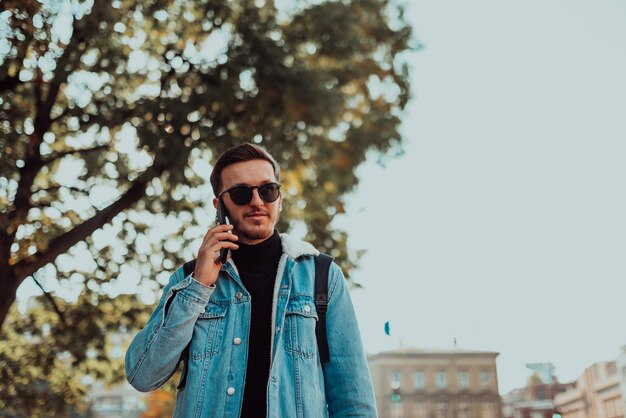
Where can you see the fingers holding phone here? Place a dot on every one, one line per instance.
(217, 241)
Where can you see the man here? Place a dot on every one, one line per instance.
(245, 329)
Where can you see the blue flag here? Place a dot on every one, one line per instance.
(387, 331)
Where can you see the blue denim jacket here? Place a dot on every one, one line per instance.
(215, 323)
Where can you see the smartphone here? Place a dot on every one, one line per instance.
(221, 219)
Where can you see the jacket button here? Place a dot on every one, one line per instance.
(307, 308)
(231, 391)
(238, 295)
(237, 341)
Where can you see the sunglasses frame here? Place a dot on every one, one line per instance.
(251, 189)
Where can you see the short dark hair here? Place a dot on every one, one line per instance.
(239, 154)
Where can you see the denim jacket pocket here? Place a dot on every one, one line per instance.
(208, 331)
(300, 321)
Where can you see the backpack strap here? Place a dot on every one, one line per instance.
(322, 266)
(188, 268)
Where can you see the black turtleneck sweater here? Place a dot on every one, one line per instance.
(257, 266)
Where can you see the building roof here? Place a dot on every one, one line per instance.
(412, 351)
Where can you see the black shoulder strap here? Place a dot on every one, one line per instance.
(322, 265)
(189, 267)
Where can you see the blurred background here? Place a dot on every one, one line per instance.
(463, 161)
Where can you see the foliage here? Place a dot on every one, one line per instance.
(111, 113)
(160, 404)
(534, 379)
(45, 357)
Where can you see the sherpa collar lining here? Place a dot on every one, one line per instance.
(295, 247)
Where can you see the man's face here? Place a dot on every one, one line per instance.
(253, 223)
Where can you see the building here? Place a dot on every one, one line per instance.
(621, 369)
(455, 383)
(533, 401)
(119, 401)
(597, 394)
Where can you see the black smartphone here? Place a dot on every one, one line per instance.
(222, 219)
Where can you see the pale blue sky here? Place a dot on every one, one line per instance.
(504, 224)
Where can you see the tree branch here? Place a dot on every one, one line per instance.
(50, 299)
(63, 114)
(58, 186)
(22, 204)
(66, 63)
(60, 155)
(60, 245)
(9, 83)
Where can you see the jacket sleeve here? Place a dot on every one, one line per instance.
(349, 390)
(154, 353)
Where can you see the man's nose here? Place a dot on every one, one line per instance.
(256, 198)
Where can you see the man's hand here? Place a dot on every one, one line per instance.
(208, 263)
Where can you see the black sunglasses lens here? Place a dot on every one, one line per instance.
(241, 195)
(269, 192)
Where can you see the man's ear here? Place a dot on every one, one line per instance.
(215, 201)
(280, 202)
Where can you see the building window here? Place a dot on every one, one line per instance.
(485, 378)
(396, 379)
(442, 380)
(420, 380)
(463, 380)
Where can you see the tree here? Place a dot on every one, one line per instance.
(44, 363)
(111, 113)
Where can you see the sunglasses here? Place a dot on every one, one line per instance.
(242, 195)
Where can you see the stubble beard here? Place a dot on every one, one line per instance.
(255, 232)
